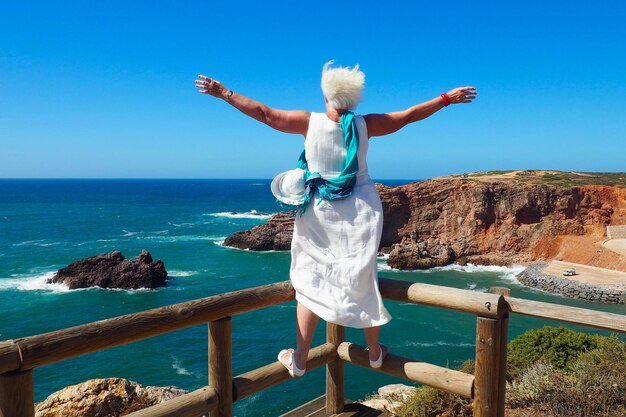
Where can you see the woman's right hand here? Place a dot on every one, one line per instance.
(462, 95)
(209, 86)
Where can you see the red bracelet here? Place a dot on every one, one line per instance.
(446, 99)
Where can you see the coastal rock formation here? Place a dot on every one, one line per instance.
(390, 397)
(273, 235)
(113, 270)
(442, 221)
(109, 397)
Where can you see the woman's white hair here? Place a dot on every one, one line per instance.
(342, 87)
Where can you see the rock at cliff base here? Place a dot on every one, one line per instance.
(108, 397)
(273, 235)
(113, 270)
(390, 397)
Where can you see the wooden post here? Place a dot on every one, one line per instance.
(487, 364)
(504, 336)
(221, 365)
(17, 394)
(335, 335)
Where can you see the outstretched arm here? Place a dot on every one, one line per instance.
(289, 121)
(384, 124)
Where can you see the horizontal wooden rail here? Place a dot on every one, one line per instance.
(423, 373)
(466, 301)
(575, 315)
(267, 376)
(193, 404)
(34, 351)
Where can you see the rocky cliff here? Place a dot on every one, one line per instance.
(105, 397)
(482, 221)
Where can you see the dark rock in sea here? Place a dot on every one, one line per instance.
(273, 235)
(113, 270)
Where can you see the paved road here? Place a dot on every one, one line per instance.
(588, 274)
(616, 245)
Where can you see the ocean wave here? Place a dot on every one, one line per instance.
(506, 272)
(474, 287)
(176, 273)
(37, 242)
(38, 282)
(252, 214)
(383, 266)
(221, 243)
(437, 343)
(180, 238)
(187, 224)
(177, 365)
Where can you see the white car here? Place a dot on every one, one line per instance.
(569, 272)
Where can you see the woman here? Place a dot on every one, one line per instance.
(337, 233)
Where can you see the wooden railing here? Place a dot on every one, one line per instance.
(486, 387)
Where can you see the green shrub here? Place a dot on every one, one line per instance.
(594, 385)
(431, 402)
(556, 346)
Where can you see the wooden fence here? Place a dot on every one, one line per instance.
(486, 387)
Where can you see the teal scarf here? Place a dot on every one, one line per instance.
(341, 186)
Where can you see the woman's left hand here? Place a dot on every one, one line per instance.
(462, 95)
(209, 86)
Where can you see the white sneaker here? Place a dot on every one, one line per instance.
(291, 366)
(379, 362)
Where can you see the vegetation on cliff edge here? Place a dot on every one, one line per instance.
(554, 372)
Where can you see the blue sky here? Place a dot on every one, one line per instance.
(106, 89)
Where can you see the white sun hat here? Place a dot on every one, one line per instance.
(288, 187)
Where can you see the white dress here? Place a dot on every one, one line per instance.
(335, 243)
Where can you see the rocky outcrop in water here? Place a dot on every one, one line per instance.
(109, 397)
(273, 235)
(442, 221)
(113, 270)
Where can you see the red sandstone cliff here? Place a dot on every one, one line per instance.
(441, 221)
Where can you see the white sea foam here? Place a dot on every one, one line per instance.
(383, 266)
(182, 238)
(252, 214)
(176, 273)
(181, 224)
(39, 282)
(36, 242)
(178, 366)
(438, 343)
(221, 243)
(508, 273)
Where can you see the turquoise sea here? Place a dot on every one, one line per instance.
(46, 224)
